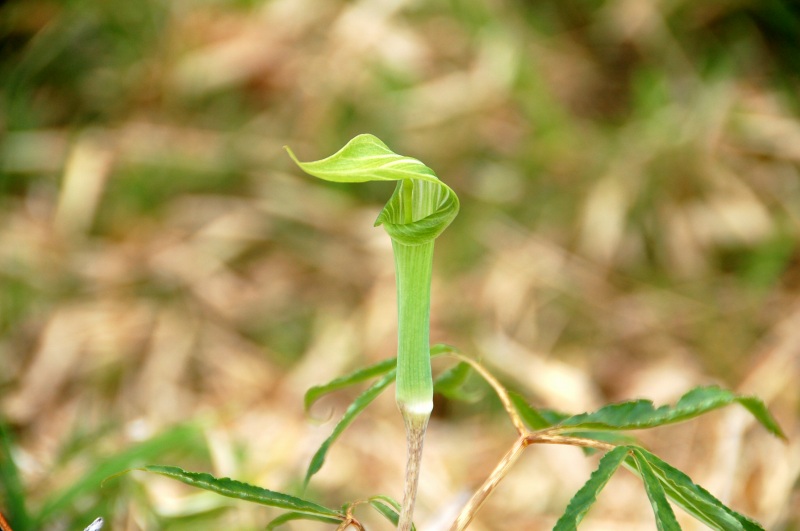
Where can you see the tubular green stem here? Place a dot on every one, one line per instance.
(413, 265)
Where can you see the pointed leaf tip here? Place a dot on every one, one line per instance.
(692, 498)
(641, 414)
(580, 504)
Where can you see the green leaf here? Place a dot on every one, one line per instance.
(665, 516)
(358, 405)
(440, 349)
(640, 414)
(386, 368)
(695, 500)
(587, 495)
(12, 492)
(243, 491)
(389, 508)
(388, 500)
(289, 517)
(540, 419)
(421, 207)
(536, 419)
(451, 383)
(358, 376)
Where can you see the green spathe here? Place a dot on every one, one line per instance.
(421, 207)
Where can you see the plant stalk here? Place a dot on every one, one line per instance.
(499, 472)
(415, 435)
(414, 393)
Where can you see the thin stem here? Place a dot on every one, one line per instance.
(499, 472)
(351, 520)
(4, 526)
(348, 523)
(547, 437)
(502, 468)
(500, 390)
(525, 439)
(415, 435)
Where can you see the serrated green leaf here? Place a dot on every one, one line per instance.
(753, 404)
(421, 206)
(640, 414)
(695, 500)
(358, 376)
(356, 407)
(451, 383)
(662, 510)
(536, 419)
(587, 495)
(289, 517)
(389, 508)
(242, 491)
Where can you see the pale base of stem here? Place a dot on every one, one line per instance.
(416, 425)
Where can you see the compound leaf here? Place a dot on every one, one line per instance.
(587, 495)
(694, 499)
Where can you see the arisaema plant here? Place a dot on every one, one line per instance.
(420, 208)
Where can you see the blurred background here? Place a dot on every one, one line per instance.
(170, 284)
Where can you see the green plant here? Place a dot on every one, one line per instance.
(418, 211)
(75, 503)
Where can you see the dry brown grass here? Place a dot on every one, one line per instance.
(629, 229)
